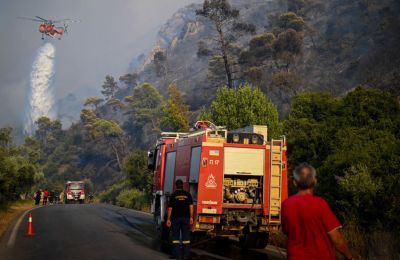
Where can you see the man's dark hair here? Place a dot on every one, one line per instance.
(179, 184)
(304, 175)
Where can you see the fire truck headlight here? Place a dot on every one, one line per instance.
(235, 138)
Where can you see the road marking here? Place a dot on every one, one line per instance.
(142, 212)
(129, 209)
(13, 236)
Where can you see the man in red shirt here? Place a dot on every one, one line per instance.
(312, 228)
(45, 196)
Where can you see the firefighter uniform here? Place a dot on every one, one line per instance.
(180, 202)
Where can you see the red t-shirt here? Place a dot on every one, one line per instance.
(45, 194)
(306, 220)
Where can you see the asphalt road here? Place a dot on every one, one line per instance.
(92, 231)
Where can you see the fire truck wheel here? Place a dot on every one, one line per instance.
(262, 240)
(198, 237)
(254, 240)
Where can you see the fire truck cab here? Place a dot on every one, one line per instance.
(74, 192)
(237, 179)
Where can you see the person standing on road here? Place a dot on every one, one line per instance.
(180, 217)
(312, 228)
(38, 194)
(45, 196)
(62, 197)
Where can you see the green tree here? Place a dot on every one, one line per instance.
(353, 141)
(110, 87)
(137, 173)
(222, 15)
(261, 47)
(6, 136)
(254, 75)
(216, 71)
(372, 108)
(115, 104)
(26, 177)
(145, 103)
(31, 150)
(271, 57)
(144, 109)
(291, 20)
(16, 170)
(109, 132)
(286, 84)
(288, 45)
(129, 79)
(93, 101)
(175, 112)
(48, 133)
(88, 116)
(235, 108)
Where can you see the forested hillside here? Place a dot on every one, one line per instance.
(324, 73)
(284, 47)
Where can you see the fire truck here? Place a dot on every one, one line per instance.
(74, 192)
(237, 178)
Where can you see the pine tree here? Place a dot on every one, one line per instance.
(110, 87)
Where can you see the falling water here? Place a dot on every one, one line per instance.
(41, 98)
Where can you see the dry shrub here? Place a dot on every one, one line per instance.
(375, 244)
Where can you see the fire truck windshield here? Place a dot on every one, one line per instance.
(75, 186)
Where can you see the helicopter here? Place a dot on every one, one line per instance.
(49, 28)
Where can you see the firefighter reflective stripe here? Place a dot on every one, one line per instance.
(185, 242)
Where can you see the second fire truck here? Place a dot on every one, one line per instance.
(238, 180)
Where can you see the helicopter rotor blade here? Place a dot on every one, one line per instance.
(30, 19)
(44, 20)
(67, 21)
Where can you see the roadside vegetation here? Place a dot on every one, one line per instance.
(354, 142)
(12, 212)
(19, 170)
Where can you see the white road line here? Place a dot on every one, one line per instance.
(13, 236)
(129, 209)
(142, 212)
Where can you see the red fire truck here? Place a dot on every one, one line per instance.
(237, 179)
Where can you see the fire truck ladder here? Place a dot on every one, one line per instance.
(275, 180)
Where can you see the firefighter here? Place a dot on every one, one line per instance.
(307, 220)
(180, 218)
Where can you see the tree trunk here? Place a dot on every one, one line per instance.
(116, 155)
(225, 58)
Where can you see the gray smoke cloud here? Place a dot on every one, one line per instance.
(110, 34)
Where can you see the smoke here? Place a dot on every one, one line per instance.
(41, 99)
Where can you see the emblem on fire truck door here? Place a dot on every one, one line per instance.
(211, 183)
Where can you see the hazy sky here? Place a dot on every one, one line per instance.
(110, 34)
